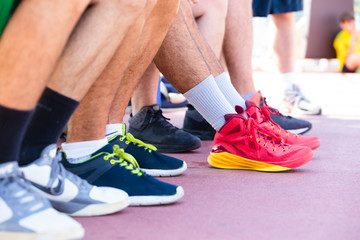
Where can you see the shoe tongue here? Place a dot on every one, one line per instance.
(107, 148)
(256, 98)
(155, 107)
(240, 113)
(254, 112)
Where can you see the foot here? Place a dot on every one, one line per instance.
(195, 124)
(262, 117)
(293, 125)
(67, 192)
(242, 144)
(150, 126)
(25, 214)
(150, 161)
(295, 101)
(170, 97)
(112, 167)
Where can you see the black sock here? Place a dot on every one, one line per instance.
(50, 117)
(13, 124)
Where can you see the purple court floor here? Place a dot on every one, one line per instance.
(318, 201)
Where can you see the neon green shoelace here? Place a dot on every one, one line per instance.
(130, 138)
(125, 160)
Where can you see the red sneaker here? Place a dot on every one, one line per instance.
(242, 144)
(262, 117)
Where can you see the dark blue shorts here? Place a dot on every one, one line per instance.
(262, 8)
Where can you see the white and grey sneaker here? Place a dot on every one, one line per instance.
(295, 101)
(25, 214)
(69, 193)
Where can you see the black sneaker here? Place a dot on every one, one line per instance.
(150, 126)
(195, 124)
(111, 166)
(294, 125)
(295, 101)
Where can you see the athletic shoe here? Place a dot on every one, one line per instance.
(67, 192)
(262, 118)
(288, 123)
(150, 126)
(195, 124)
(170, 97)
(25, 214)
(150, 161)
(294, 100)
(110, 166)
(242, 144)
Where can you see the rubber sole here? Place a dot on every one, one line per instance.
(61, 235)
(156, 200)
(227, 160)
(102, 209)
(165, 172)
(299, 130)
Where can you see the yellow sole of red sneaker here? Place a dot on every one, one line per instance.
(230, 161)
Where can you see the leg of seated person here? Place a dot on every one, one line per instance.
(210, 18)
(238, 45)
(155, 129)
(188, 71)
(151, 38)
(150, 41)
(145, 91)
(25, 68)
(205, 95)
(87, 124)
(96, 42)
(23, 73)
(89, 49)
(222, 79)
(84, 156)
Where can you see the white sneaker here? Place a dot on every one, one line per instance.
(295, 101)
(25, 214)
(69, 193)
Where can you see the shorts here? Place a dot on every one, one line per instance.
(7, 7)
(262, 8)
(346, 70)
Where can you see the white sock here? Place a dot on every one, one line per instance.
(288, 80)
(113, 130)
(208, 99)
(80, 151)
(224, 83)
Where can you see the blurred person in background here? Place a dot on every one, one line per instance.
(346, 44)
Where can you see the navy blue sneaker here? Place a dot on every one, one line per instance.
(150, 161)
(195, 124)
(150, 126)
(110, 166)
(290, 124)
